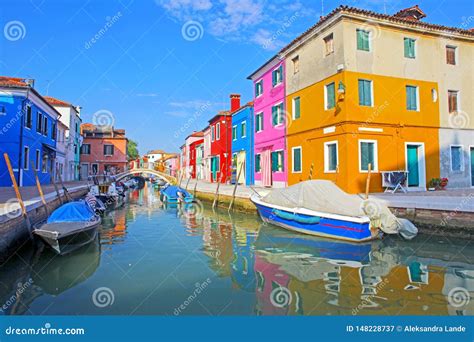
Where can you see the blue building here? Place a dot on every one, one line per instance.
(28, 125)
(243, 145)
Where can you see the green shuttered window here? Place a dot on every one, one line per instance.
(412, 101)
(259, 122)
(363, 40)
(277, 161)
(243, 129)
(234, 133)
(257, 163)
(409, 45)
(456, 158)
(296, 108)
(365, 93)
(330, 156)
(367, 155)
(330, 95)
(277, 75)
(277, 114)
(259, 88)
(296, 159)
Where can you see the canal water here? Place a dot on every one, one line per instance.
(151, 260)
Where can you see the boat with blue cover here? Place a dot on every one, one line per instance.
(175, 194)
(69, 227)
(319, 207)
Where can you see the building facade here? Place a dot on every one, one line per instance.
(104, 151)
(221, 143)
(190, 152)
(71, 117)
(377, 94)
(243, 167)
(28, 132)
(61, 151)
(270, 123)
(195, 156)
(207, 154)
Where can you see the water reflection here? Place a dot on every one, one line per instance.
(254, 268)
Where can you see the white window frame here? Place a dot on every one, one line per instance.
(280, 115)
(293, 107)
(38, 160)
(31, 116)
(375, 168)
(281, 76)
(283, 159)
(372, 97)
(326, 53)
(213, 133)
(235, 136)
(451, 158)
(259, 81)
(256, 119)
(326, 156)
(370, 39)
(417, 94)
(113, 149)
(26, 148)
(244, 128)
(218, 131)
(296, 70)
(416, 48)
(293, 159)
(326, 95)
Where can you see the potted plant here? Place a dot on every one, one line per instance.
(433, 184)
(443, 183)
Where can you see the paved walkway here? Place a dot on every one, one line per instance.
(448, 200)
(461, 200)
(31, 197)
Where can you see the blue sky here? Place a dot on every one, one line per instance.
(163, 68)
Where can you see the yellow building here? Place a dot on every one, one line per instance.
(364, 88)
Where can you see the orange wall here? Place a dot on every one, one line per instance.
(388, 114)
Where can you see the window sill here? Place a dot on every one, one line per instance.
(329, 171)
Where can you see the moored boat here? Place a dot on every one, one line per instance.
(175, 194)
(69, 227)
(319, 207)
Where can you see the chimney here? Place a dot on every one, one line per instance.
(234, 102)
(413, 13)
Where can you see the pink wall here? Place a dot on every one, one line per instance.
(271, 137)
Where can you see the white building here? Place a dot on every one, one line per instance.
(61, 150)
(70, 116)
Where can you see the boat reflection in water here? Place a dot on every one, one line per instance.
(302, 275)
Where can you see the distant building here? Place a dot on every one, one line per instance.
(104, 150)
(206, 168)
(190, 151)
(61, 151)
(155, 155)
(28, 125)
(70, 116)
(243, 145)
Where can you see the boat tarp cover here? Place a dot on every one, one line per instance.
(326, 197)
(172, 191)
(72, 212)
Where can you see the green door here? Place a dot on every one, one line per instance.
(412, 161)
(472, 166)
(214, 168)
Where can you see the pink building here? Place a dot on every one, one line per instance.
(270, 127)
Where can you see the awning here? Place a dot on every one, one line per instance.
(48, 147)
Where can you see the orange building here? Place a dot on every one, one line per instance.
(104, 149)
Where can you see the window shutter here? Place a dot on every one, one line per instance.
(330, 92)
(297, 160)
(407, 47)
(360, 42)
(273, 77)
(333, 157)
(282, 156)
(274, 161)
(297, 108)
(367, 93)
(364, 156)
(274, 116)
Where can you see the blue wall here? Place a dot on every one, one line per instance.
(14, 135)
(247, 143)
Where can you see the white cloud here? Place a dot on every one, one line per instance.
(254, 21)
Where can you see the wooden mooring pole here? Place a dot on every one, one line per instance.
(187, 183)
(195, 187)
(66, 192)
(367, 183)
(216, 195)
(17, 192)
(231, 204)
(40, 190)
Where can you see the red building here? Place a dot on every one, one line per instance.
(221, 142)
(193, 140)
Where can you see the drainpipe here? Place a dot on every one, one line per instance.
(20, 155)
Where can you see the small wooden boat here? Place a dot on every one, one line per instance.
(319, 207)
(175, 194)
(69, 227)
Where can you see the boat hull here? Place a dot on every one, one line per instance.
(321, 225)
(65, 244)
